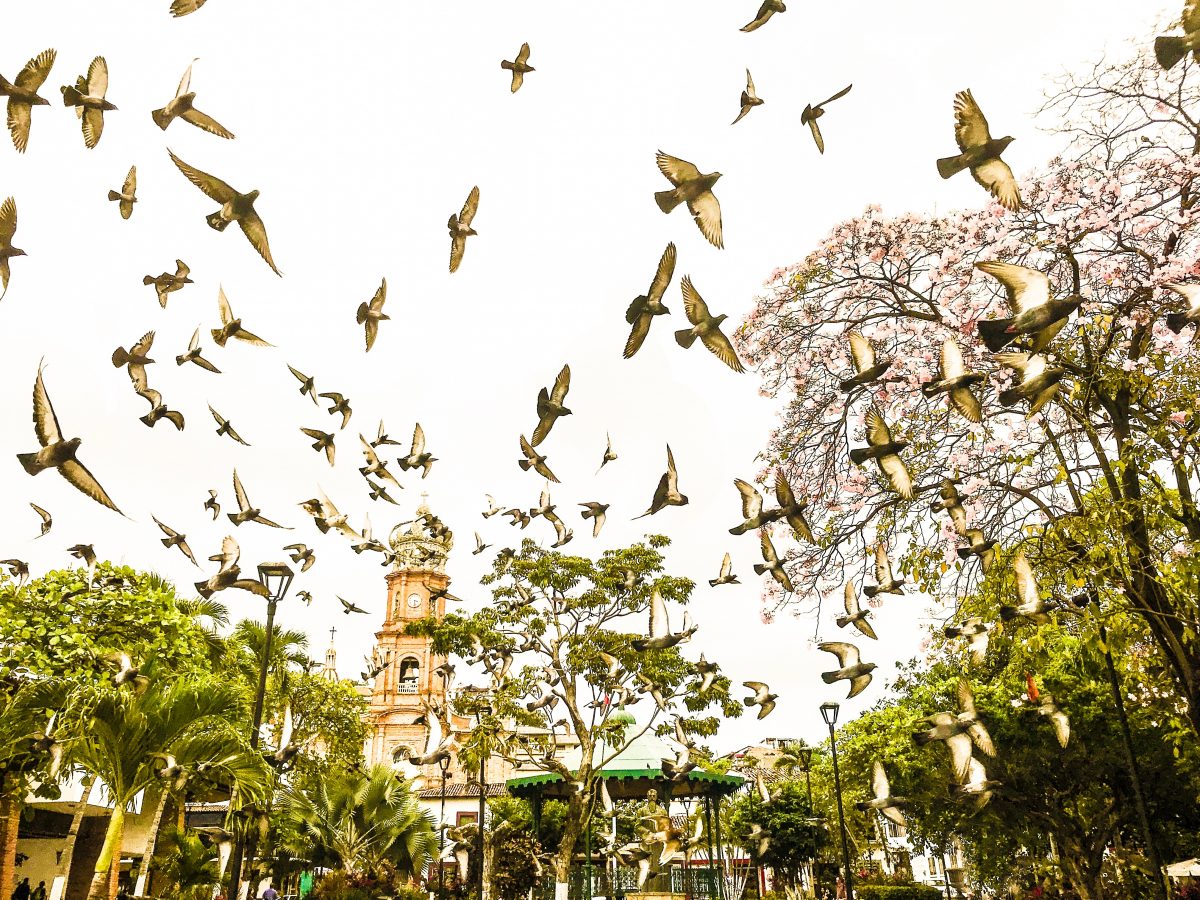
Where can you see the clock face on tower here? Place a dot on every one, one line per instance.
(414, 600)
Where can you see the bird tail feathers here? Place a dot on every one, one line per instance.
(1008, 613)
(161, 119)
(759, 568)
(113, 195)
(1176, 321)
(505, 64)
(215, 221)
(870, 591)
(1009, 397)
(6, 86)
(667, 200)
(1170, 50)
(951, 165)
(859, 456)
(920, 738)
(202, 589)
(71, 96)
(685, 337)
(119, 357)
(829, 677)
(361, 315)
(29, 463)
(524, 464)
(995, 333)
(952, 631)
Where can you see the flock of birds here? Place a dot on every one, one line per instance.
(1021, 342)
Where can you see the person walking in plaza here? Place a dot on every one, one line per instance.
(22, 891)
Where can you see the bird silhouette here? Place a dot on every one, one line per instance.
(370, 314)
(955, 382)
(768, 9)
(181, 107)
(855, 614)
(417, 457)
(58, 452)
(645, 307)
(1170, 49)
(166, 283)
(851, 668)
(194, 355)
(87, 96)
(8, 230)
(749, 99)
(235, 207)
(667, 492)
(231, 327)
(705, 326)
(694, 189)
(884, 449)
(813, 112)
(519, 67)
(1035, 312)
(23, 96)
(127, 196)
(460, 228)
(550, 406)
(980, 153)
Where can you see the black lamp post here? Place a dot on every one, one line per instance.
(805, 753)
(484, 710)
(444, 765)
(829, 712)
(276, 578)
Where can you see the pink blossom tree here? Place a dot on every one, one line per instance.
(1104, 476)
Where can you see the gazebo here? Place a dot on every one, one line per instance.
(632, 774)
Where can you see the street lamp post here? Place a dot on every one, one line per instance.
(276, 578)
(484, 710)
(444, 765)
(829, 712)
(805, 753)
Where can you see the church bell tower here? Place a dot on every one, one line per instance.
(416, 589)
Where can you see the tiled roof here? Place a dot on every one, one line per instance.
(461, 790)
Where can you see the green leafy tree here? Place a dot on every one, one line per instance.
(563, 612)
(1079, 796)
(796, 836)
(192, 719)
(189, 865)
(364, 823)
(515, 867)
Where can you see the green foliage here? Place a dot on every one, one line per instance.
(796, 838)
(188, 864)
(896, 892)
(65, 629)
(514, 865)
(364, 823)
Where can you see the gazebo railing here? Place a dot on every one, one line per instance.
(698, 882)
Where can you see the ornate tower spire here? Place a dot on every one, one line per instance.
(329, 670)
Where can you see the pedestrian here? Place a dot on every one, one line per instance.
(270, 893)
(39, 892)
(22, 891)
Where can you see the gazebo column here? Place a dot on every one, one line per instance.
(708, 834)
(721, 887)
(537, 815)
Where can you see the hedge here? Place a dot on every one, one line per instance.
(897, 892)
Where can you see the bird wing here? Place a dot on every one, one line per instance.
(214, 187)
(839, 95)
(41, 512)
(243, 501)
(129, 188)
(8, 220)
(995, 175)
(707, 212)
(20, 118)
(961, 759)
(78, 475)
(850, 599)
(418, 440)
(858, 684)
(719, 345)
(981, 738)
(186, 81)
(663, 274)
(169, 532)
(143, 345)
(97, 77)
(467, 214)
(764, 13)
(861, 352)
(966, 700)
(877, 429)
(865, 629)
(752, 501)
(1013, 359)
(846, 653)
(898, 475)
(759, 688)
(952, 359)
(1027, 588)
(45, 422)
(1191, 16)
(768, 549)
(672, 473)
(879, 782)
(34, 75)
(206, 122)
(458, 246)
(637, 335)
(750, 85)
(523, 53)
(883, 565)
(256, 233)
(225, 310)
(660, 625)
(693, 303)
(970, 126)
(676, 170)
(818, 138)
(562, 384)
(968, 406)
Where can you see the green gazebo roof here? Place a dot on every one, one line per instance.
(632, 773)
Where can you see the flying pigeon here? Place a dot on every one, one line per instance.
(87, 96)
(813, 112)
(667, 492)
(370, 314)
(1035, 312)
(166, 283)
(885, 451)
(867, 367)
(705, 326)
(980, 153)
(180, 106)
(518, 67)
(883, 801)
(695, 190)
(645, 307)
(550, 406)
(886, 582)
(768, 9)
(23, 97)
(956, 381)
(855, 614)
(749, 99)
(851, 669)
(460, 228)
(127, 196)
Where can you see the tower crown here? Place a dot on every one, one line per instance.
(423, 543)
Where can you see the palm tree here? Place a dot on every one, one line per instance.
(791, 759)
(189, 865)
(216, 613)
(288, 648)
(192, 720)
(360, 822)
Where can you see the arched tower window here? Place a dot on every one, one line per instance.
(409, 675)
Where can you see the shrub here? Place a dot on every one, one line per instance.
(896, 892)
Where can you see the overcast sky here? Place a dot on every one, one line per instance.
(365, 125)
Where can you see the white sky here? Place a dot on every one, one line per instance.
(365, 125)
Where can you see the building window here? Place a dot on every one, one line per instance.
(409, 675)
(466, 818)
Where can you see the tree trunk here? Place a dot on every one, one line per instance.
(572, 829)
(10, 820)
(103, 885)
(62, 875)
(151, 842)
